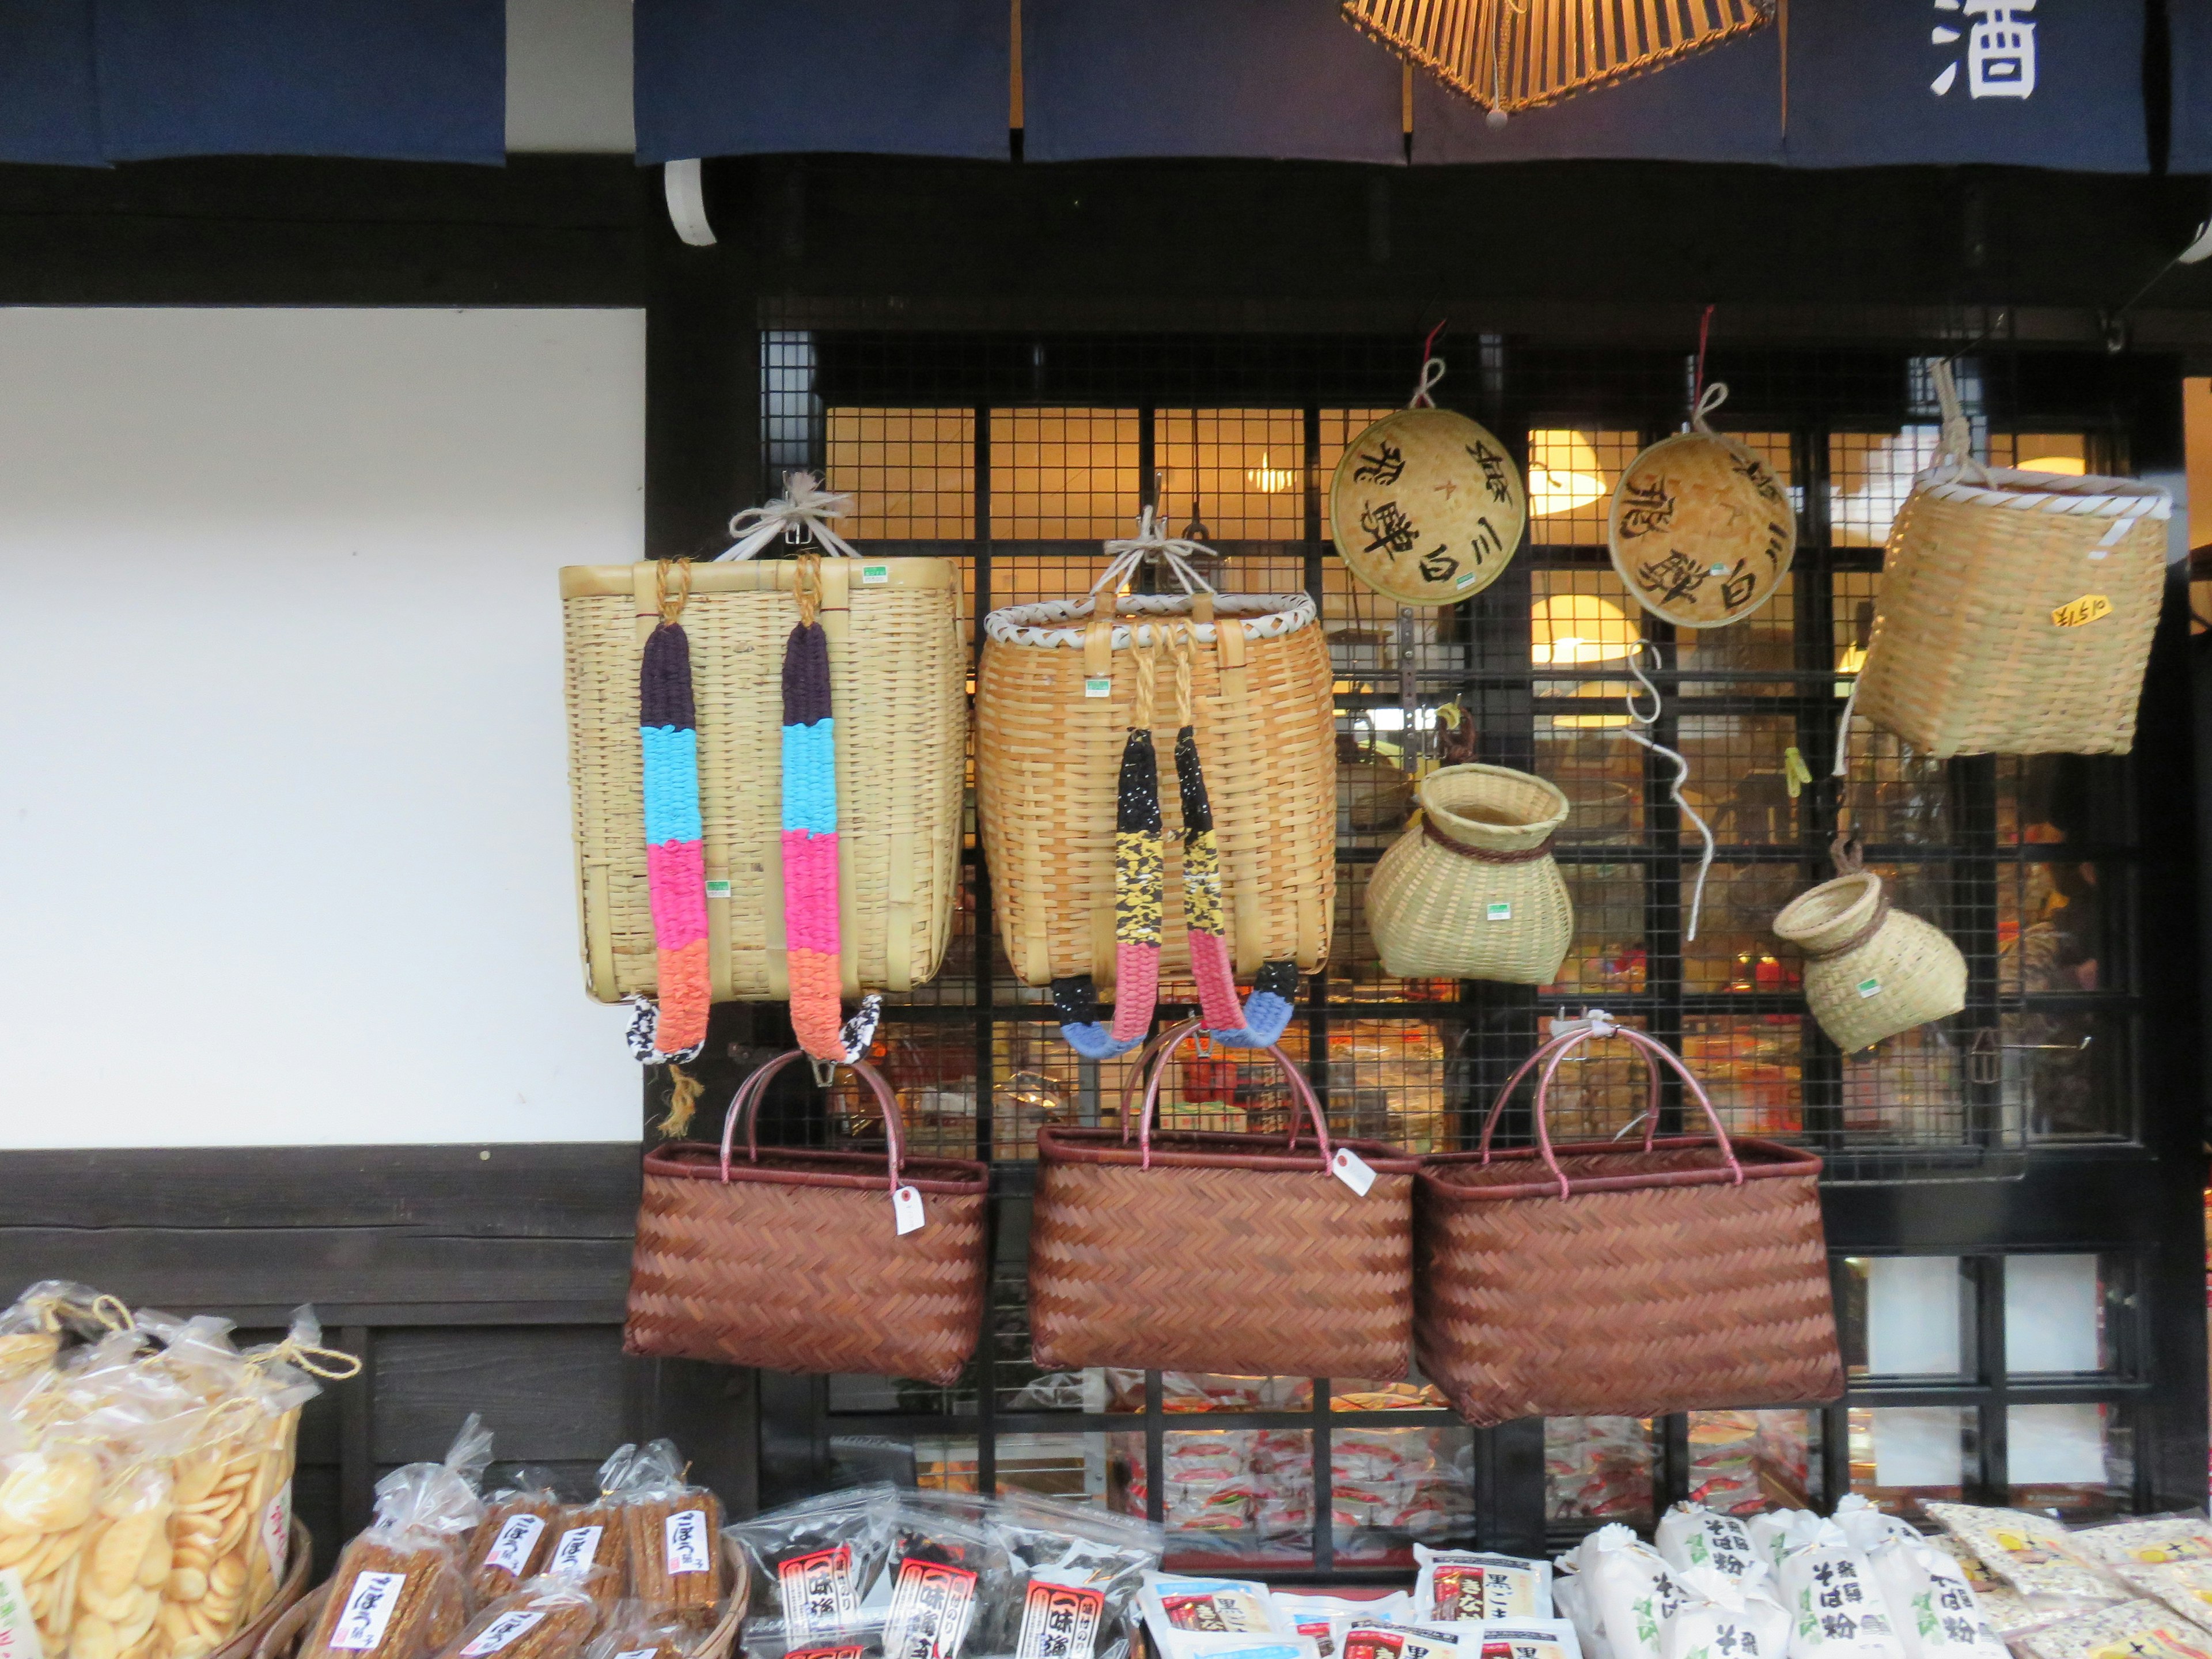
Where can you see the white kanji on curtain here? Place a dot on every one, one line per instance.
(2000, 37)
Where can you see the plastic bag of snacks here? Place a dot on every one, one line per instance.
(950, 1585)
(1830, 1590)
(1185, 1617)
(2008, 1612)
(591, 1547)
(631, 1632)
(1530, 1639)
(1086, 1568)
(671, 1536)
(1572, 1597)
(812, 1563)
(1453, 1585)
(2167, 1558)
(2028, 1551)
(1720, 1615)
(1632, 1589)
(1930, 1601)
(1375, 1639)
(2141, 1629)
(1690, 1535)
(399, 1591)
(543, 1618)
(515, 1539)
(1323, 1619)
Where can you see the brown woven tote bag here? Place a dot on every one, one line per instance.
(1211, 1251)
(1594, 1279)
(791, 1259)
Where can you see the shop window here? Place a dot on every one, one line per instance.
(1598, 1470)
(1904, 1456)
(911, 472)
(2076, 1459)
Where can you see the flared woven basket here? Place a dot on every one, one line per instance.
(1870, 971)
(1471, 892)
(1200, 1251)
(2016, 609)
(898, 666)
(1601, 1278)
(1049, 749)
(790, 1258)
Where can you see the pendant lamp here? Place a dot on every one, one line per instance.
(1511, 55)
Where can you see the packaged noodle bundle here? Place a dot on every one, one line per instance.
(1690, 1535)
(1930, 1601)
(1453, 1585)
(1530, 1639)
(399, 1591)
(544, 1619)
(949, 1585)
(592, 1545)
(1719, 1614)
(810, 1564)
(1830, 1590)
(2028, 1551)
(1086, 1568)
(672, 1532)
(2167, 1558)
(2133, 1630)
(1632, 1587)
(514, 1541)
(1323, 1619)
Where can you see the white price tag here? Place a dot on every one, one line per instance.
(367, 1610)
(501, 1631)
(1352, 1169)
(510, 1550)
(686, 1535)
(277, 1531)
(573, 1553)
(906, 1209)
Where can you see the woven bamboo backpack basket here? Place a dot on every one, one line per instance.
(1471, 892)
(1056, 692)
(2016, 608)
(1870, 970)
(898, 662)
(1608, 1279)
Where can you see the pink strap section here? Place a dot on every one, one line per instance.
(676, 880)
(1217, 981)
(1136, 990)
(754, 1090)
(1161, 1053)
(1558, 1048)
(810, 891)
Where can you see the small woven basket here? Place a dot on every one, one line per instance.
(1047, 752)
(1471, 892)
(1598, 1279)
(1870, 971)
(790, 1258)
(1218, 1252)
(898, 663)
(2016, 608)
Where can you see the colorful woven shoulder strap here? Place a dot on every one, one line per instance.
(676, 872)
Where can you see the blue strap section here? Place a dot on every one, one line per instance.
(1097, 1041)
(672, 784)
(810, 777)
(1267, 1017)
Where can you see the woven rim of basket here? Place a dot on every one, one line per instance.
(1267, 616)
(2090, 497)
(1838, 906)
(1502, 837)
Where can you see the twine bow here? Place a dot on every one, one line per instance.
(1637, 718)
(109, 1310)
(805, 509)
(1711, 399)
(1152, 542)
(332, 1364)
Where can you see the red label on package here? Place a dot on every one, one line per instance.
(1458, 1594)
(1373, 1645)
(1214, 1610)
(1324, 1639)
(1060, 1621)
(817, 1591)
(1498, 1650)
(854, 1652)
(930, 1606)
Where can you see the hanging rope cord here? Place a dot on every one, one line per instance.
(1639, 719)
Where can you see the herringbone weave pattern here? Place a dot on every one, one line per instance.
(1282, 1272)
(759, 1271)
(1630, 1303)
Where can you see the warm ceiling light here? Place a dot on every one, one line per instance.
(1510, 55)
(1579, 627)
(2072, 465)
(1273, 480)
(1563, 473)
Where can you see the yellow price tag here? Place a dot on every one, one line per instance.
(2079, 612)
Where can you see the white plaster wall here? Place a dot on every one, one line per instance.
(284, 852)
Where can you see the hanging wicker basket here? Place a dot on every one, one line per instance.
(1870, 971)
(1471, 892)
(2016, 608)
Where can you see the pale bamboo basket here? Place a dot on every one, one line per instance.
(1471, 892)
(898, 662)
(1870, 971)
(1046, 757)
(2016, 608)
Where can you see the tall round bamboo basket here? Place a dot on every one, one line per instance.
(1870, 971)
(898, 656)
(1054, 695)
(2016, 608)
(1471, 892)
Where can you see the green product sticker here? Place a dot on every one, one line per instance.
(1098, 685)
(875, 575)
(1500, 913)
(717, 889)
(1870, 987)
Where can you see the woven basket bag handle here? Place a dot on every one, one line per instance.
(754, 1090)
(1656, 1053)
(1162, 1050)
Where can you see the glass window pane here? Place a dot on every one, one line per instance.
(1238, 1497)
(1066, 1466)
(1903, 1456)
(1869, 476)
(2055, 1314)
(1743, 1462)
(1907, 1315)
(1391, 1486)
(1571, 473)
(2076, 1459)
(911, 472)
(1750, 1067)
(1598, 1468)
(1239, 472)
(2069, 1068)
(1062, 474)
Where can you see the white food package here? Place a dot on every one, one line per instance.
(1324, 1619)
(1570, 1596)
(1719, 1618)
(1777, 1532)
(1529, 1638)
(1865, 1526)
(1632, 1587)
(1214, 1618)
(1690, 1535)
(1837, 1608)
(1455, 1586)
(1930, 1602)
(1375, 1639)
